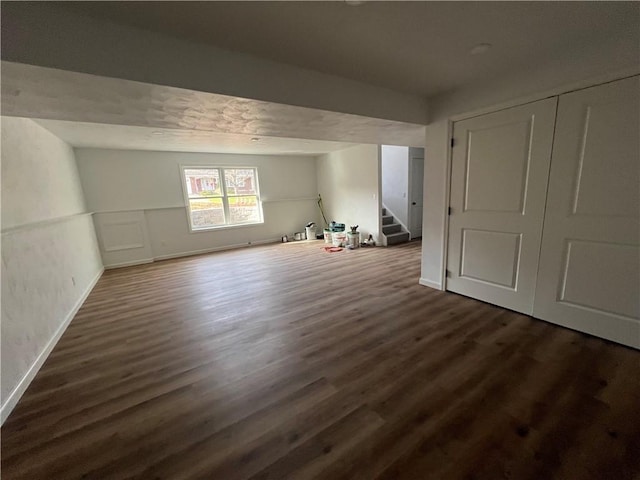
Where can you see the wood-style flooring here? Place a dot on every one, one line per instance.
(287, 362)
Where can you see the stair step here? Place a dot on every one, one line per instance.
(395, 238)
(391, 228)
(384, 212)
(387, 219)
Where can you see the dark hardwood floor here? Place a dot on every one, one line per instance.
(284, 361)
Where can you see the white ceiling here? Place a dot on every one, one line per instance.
(96, 135)
(415, 47)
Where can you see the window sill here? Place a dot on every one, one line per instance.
(224, 227)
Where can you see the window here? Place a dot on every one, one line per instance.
(219, 196)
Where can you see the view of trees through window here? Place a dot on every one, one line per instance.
(222, 196)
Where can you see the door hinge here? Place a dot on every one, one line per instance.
(449, 210)
(453, 142)
(448, 273)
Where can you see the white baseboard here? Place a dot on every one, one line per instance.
(190, 253)
(22, 386)
(129, 264)
(215, 249)
(429, 283)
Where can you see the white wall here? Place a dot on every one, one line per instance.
(435, 203)
(395, 181)
(139, 193)
(71, 42)
(349, 182)
(50, 259)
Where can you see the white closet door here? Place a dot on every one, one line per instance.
(589, 277)
(500, 168)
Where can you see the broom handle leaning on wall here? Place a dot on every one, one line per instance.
(326, 224)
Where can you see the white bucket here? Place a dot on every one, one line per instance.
(353, 239)
(339, 239)
(311, 233)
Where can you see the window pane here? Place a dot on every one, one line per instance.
(244, 209)
(202, 182)
(240, 181)
(206, 212)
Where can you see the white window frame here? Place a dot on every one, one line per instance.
(225, 197)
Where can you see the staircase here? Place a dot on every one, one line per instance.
(393, 232)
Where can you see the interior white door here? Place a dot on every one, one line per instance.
(416, 172)
(499, 174)
(589, 277)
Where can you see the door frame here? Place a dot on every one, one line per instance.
(497, 108)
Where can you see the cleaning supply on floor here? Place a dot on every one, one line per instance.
(322, 210)
(353, 238)
(310, 231)
(339, 239)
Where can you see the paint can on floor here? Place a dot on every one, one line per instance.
(339, 239)
(327, 235)
(353, 239)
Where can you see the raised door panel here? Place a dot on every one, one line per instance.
(605, 167)
(497, 155)
(602, 277)
(490, 257)
(589, 276)
(500, 167)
